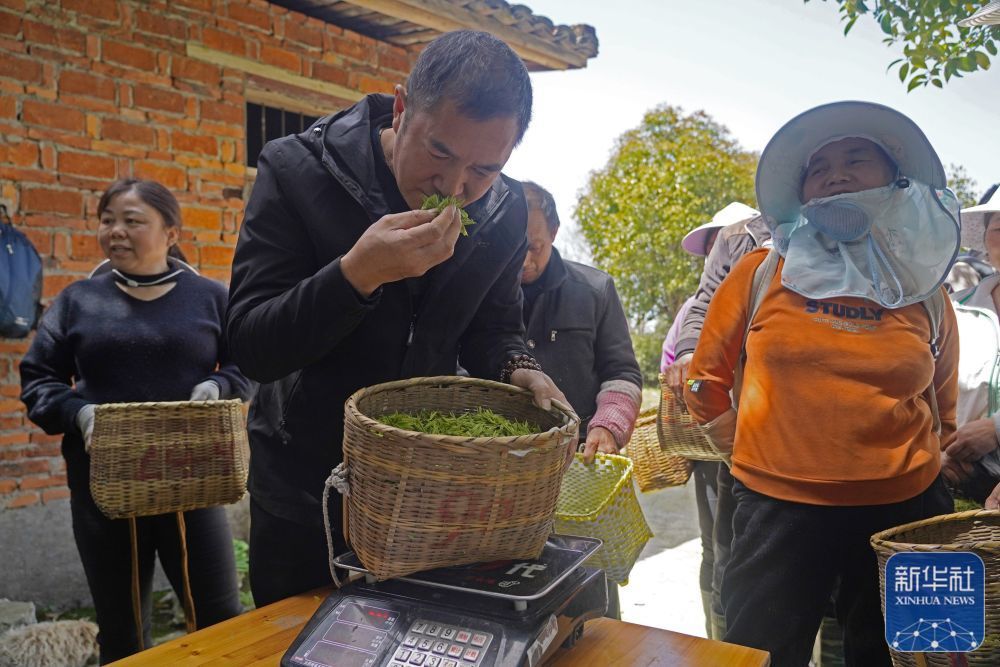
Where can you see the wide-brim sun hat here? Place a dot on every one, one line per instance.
(780, 170)
(696, 240)
(988, 14)
(974, 222)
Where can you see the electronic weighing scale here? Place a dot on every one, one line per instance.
(500, 614)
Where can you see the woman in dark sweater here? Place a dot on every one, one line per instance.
(150, 329)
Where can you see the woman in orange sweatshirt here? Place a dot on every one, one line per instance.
(835, 437)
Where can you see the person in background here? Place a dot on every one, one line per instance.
(731, 243)
(341, 281)
(972, 458)
(972, 264)
(837, 435)
(576, 328)
(150, 329)
(699, 242)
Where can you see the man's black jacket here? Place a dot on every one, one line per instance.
(298, 327)
(577, 330)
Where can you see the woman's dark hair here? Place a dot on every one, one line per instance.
(477, 72)
(152, 194)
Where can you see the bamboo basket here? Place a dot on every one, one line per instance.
(678, 432)
(598, 501)
(652, 467)
(975, 531)
(420, 501)
(157, 458)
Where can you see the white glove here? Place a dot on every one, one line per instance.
(721, 433)
(205, 391)
(85, 422)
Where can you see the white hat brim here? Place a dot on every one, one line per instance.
(779, 172)
(987, 15)
(695, 241)
(974, 222)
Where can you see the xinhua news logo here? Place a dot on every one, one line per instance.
(935, 602)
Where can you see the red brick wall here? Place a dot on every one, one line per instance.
(94, 90)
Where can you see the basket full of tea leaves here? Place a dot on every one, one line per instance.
(449, 471)
(479, 423)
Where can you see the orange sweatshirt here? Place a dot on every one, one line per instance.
(832, 410)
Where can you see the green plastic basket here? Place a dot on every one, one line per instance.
(598, 501)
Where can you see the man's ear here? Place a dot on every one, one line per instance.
(398, 107)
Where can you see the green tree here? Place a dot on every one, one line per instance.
(935, 48)
(665, 177)
(963, 185)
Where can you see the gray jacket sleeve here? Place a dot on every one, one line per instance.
(717, 267)
(734, 241)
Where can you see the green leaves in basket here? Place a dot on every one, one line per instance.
(483, 423)
(439, 203)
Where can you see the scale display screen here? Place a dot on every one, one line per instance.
(352, 612)
(339, 656)
(354, 635)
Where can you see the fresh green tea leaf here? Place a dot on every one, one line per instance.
(439, 203)
(483, 423)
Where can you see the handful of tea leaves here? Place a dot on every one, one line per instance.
(439, 203)
(483, 423)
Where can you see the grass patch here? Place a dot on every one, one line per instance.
(168, 613)
(242, 552)
(964, 504)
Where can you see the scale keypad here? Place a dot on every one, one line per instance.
(431, 644)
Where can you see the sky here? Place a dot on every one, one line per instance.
(750, 64)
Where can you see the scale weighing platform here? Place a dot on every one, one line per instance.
(499, 614)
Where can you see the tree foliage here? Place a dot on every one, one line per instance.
(665, 177)
(935, 48)
(963, 185)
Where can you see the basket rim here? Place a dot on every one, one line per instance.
(622, 479)
(558, 407)
(882, 538)
(166, 404)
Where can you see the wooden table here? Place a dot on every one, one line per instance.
(260, 637)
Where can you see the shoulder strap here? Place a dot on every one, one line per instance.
(762, 278)
(934, 305)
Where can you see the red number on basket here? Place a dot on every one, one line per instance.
(178, 462)
(476, 508)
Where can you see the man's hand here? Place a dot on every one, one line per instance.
(955, 471)
(677, 375)
(205, 391)
(993, 502)
(599, 439)
(542, 387)
(543, 390)
(972, 441)
(401, 245)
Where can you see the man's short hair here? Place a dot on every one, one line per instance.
(480, 74)
(538, 196)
